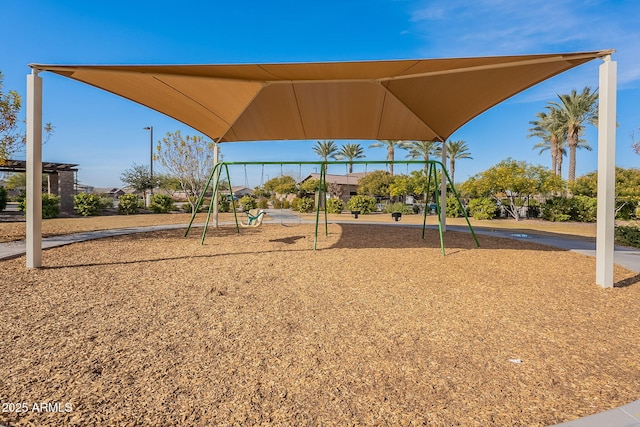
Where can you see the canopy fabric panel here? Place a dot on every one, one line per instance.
(426, 99)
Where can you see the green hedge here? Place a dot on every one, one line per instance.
(128, 204)
(628, 235)
(335, 206)
(482, 208)
(87, 204)
(364, 204)
(162, 203)
(578, 208)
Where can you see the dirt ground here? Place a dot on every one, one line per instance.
(373, 328)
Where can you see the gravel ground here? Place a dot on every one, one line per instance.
(374, 328)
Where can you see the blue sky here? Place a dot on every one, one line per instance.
(104, 134)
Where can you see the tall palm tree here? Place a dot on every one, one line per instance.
(420, 149)
(391, 145)
(456, 150)
(577, 110)
(550, 128)
(350, 152)
(326, 149)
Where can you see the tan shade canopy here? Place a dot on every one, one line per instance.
(426, 99)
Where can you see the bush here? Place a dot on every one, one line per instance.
(50, 206)
(364, 204)
(482, 208)
(86, 204)
(638, 211)
(162, 203)
(628, 235)
(398, 207)
(128, 204)
(626, 208)
(557, 209)
(453, 208)
(3, 199)
(286, 204)
(248, 203)
(578, 208)
(585, 209)
(302, 204)
(335, 206)
(263, 203)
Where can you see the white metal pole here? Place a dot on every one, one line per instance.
(443, 189)
(606, 173)
(34, 170)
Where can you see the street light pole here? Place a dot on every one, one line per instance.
(150, 129)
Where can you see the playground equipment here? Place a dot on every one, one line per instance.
(434, 167)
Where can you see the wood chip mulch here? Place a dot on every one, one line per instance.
(373, 328)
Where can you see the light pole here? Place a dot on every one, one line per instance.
(150, 129)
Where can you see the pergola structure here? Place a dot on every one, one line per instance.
(424, 99)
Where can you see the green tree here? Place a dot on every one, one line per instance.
(281, 185)
(12, 136)
(576, 110)
(391, 145)
(375, 183)
(513, 182)
(420, 150)
(456, 150)
(189, 159)
(627, 189)
(549, 127)
(350, 152)
(325, 149)
(137, 177)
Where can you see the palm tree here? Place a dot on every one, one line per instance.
(550, 128)
(577, 110)
(350, 152)
(456, 150)
(391, 145)
(326, 149)
(420, 149)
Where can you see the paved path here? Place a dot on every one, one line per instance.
(624, 416)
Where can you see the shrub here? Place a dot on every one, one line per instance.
(128, 204)
(585, 209)
(638, 211)
(453, 208)
(364, 204)
(482, 208)
(626, 208)
(86, 204)
(162, 203)
(224, 203)
(277, 204)
(398, 207)
(263, 203)
(578, 208)
(50, 206)
(302, 204)
(286, 204)
(335, 206)
(248, 203)
(628, 235)
(3, 199)
(557, 209)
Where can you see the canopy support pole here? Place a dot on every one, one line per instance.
(606, 173)
(443, 189)
(34, 170)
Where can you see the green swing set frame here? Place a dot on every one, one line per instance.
(432, 174)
